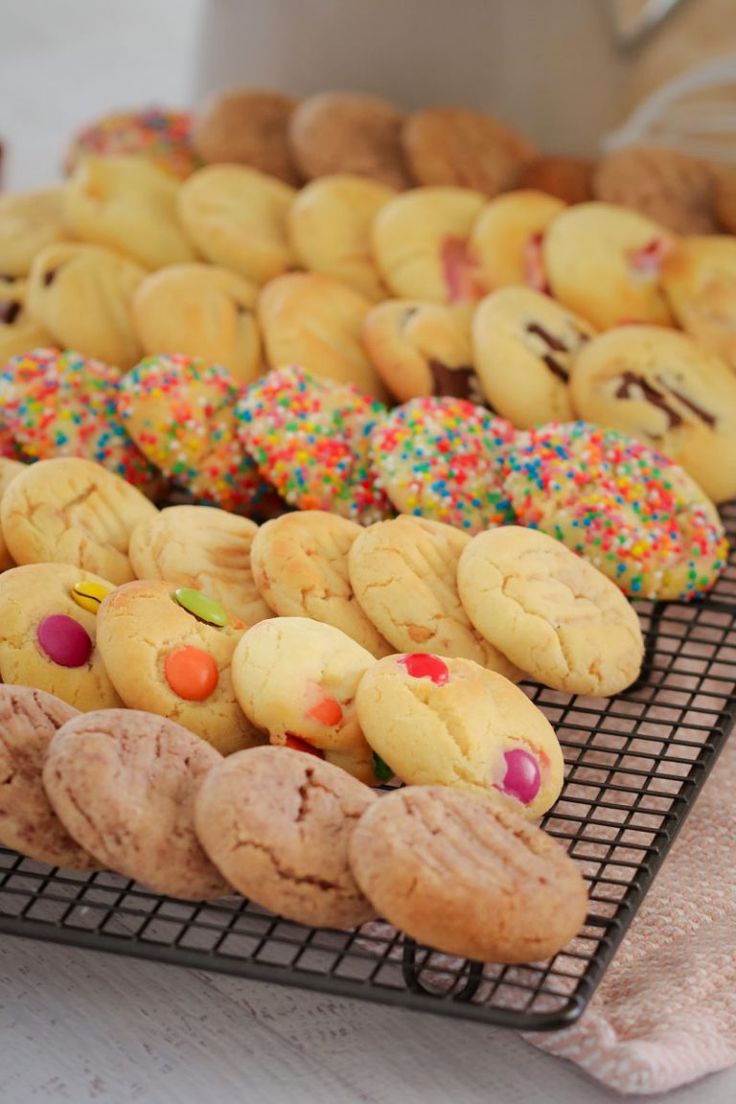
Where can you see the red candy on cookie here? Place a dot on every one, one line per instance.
(426, 665)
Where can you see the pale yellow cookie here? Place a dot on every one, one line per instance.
(300, 565)
(237, 218)
(29, 221)
(699, 278)
(73, 511)
(202, 311)
(204, 548)
(330, 229)
(403, 574)
(18, 332)
(9, 469)
(507, 238)
(83, 296)
(314, 321)
(550, 610)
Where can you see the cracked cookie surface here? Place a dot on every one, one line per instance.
(123, 783)
(277, 823)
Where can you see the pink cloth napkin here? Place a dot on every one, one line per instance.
(665, 1013)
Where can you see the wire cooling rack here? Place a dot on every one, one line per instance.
(635, 764)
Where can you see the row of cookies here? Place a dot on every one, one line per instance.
(292, 833)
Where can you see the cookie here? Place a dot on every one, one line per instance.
(8, 471)
(507, 239)
(180, 411)
(72, 511)
(451, 722)
(130, 205)
(667, 186)
(29, 221)
(420, 243)
(605, 263)
(452, 145)
(200, 310)
(294, 677)
(123, 784)
(568, 178)
(314, 321)
(349, 132)
(421, 349)
(277, 824)
(48, 633)
(248, 126)
(159, 135)
(311, 439)
(18, 332)
(403, 573)
(203, 548)
(699, 279)
(524, 345)
(300, 565)
(168, 651)
(633, 513)
(330, 230)
(666, 390)
(724, 202)
(438, 864)
(545, 607)
(83, 295)
(28, 721)
(63, 404)
(441, 458)
(236, 218)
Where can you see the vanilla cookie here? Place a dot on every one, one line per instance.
(452, 722)
(76, 512)
(421, 245)
(349, 132)
(18, 332)
(547, 608)
(203, 548)
(48, 633)
(168, 650)
(675, 190)
(300, 566)
(277, 825)
(421, 349)
(8, 471)
(130, 205)
(29, 221)
(200, 310)
(314, 321)
(438, 864)
(248, 126)
(699, 279)
(524, 345)
(236, 217)
(123, 784)
(507, 239)
(330, 230)
(664, 389)
(605, 263)
(83, 296)
(403, 573)
(28, 721)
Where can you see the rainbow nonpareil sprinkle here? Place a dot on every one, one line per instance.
(162, 136)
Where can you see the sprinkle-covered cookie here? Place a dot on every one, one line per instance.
(637, 516)
(442, 458)
(159, 134)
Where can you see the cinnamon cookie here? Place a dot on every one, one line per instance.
(507, 239)
(452, 145)
(18, 332)
(568, 178)
(248, 126)
(421, 349)
(524, 344)
(28, 721)
(300, 565)
(349, 132)
(669, 187)
(277, 824)
(29, 221)
(200, 310)
(699, 279)
(123, 784)
(203, 548)
(664, 389)
(438, 863)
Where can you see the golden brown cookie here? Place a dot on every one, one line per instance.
(567, 178)
(349, 132)
(439, 863)
(123, 784)
(699, 280)
(277, 823)
(725, 196)
(452, 145)
(29, 221)
(248, 126)
(675, 190)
